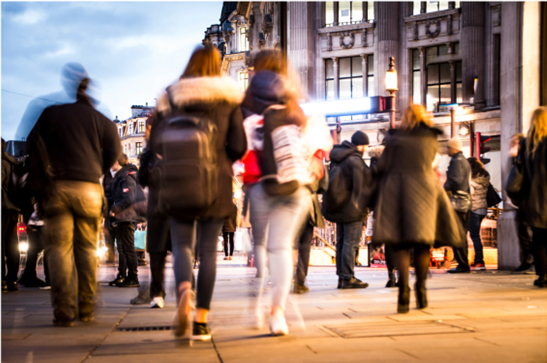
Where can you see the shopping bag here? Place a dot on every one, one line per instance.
(140, 240)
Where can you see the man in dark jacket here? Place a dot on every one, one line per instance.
(349, 218)
(124, 217)
(10, 216)
(70, 148)
(457, 179)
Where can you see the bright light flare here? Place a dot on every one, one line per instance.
(348, 107)
(23, 247)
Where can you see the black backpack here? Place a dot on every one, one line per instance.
(338, 192)
(187, 168)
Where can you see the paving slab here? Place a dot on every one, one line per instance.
(479, 317)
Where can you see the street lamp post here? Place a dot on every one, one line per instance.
(391, 87)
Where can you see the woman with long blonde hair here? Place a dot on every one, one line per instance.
(412, 210)
(533, 209)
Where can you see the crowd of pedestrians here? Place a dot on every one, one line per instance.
(202, 125)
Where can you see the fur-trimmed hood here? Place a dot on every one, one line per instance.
(201, 90)
(376, 151)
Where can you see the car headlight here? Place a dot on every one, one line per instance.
(23, 247)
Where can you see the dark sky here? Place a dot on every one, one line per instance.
(133, 49)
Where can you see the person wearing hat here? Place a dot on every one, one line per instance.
(347, 176)
(457, 179)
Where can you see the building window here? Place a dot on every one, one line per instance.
(349, 12)
(416, 77)
(130, 128)
(370, 76)
(329, 80)
(440, 83)
(243, 41)
(125, 149)
(141, 127)
(432, 6)
(243, 80)
(138, 147)
(350, 77)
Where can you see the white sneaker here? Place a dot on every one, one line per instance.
(157, 303)
(278, 325)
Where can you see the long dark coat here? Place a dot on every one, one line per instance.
(412, 206)
(533, 209)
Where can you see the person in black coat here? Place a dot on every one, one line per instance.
(457, 179)
(158, 236)
(349, 219)
(108, 178)
(228, 230)
(123, 219)
(533, 207)
(201, 92)
(412, 211)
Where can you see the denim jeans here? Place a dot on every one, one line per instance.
(461, 253)
(183, 238)
(72, 210)
(348, 236)
(277, 222)
(304, 249)
(475, 232)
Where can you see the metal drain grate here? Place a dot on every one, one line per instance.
(369, 330)
(143, 328)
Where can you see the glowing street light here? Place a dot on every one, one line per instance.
(391, 87)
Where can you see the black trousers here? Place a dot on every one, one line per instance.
(390, 258)
(127, 256)
(525, 241)
(36, 245)
(304, 249)
(461, 254)
(228, 241)
(157, 270)
(540, 250)
(10, 245)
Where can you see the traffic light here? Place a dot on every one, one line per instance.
(482, 149)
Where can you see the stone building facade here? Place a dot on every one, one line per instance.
(488, 57)
(132, 131)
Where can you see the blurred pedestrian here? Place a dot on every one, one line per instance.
(375, 153)
(533, 207)
(228, 231)
(318, 186)
(412, 211)
(348, 180)
(457, 183)
(124, 218)
(36, 244)
(523, 231)
(70, 148)
(480, 181)
(200, 97)
(10, 217)
(158, 235)
(108, 178)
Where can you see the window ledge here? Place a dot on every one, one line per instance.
(428, 16)
(340, 28)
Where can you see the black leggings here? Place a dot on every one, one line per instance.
(539, 238)
(228, 239)
(421, 263)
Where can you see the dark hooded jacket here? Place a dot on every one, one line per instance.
(533, 208)
(357, 177)
(124, 195)
(268, 94)
(8, 162)
(217, 99)
(411, 206)
(458, 174)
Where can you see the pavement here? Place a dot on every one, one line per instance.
(489, 316)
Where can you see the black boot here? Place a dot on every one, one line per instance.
(404, 300)
(541, 281)
(392, 282)
(421, 295)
